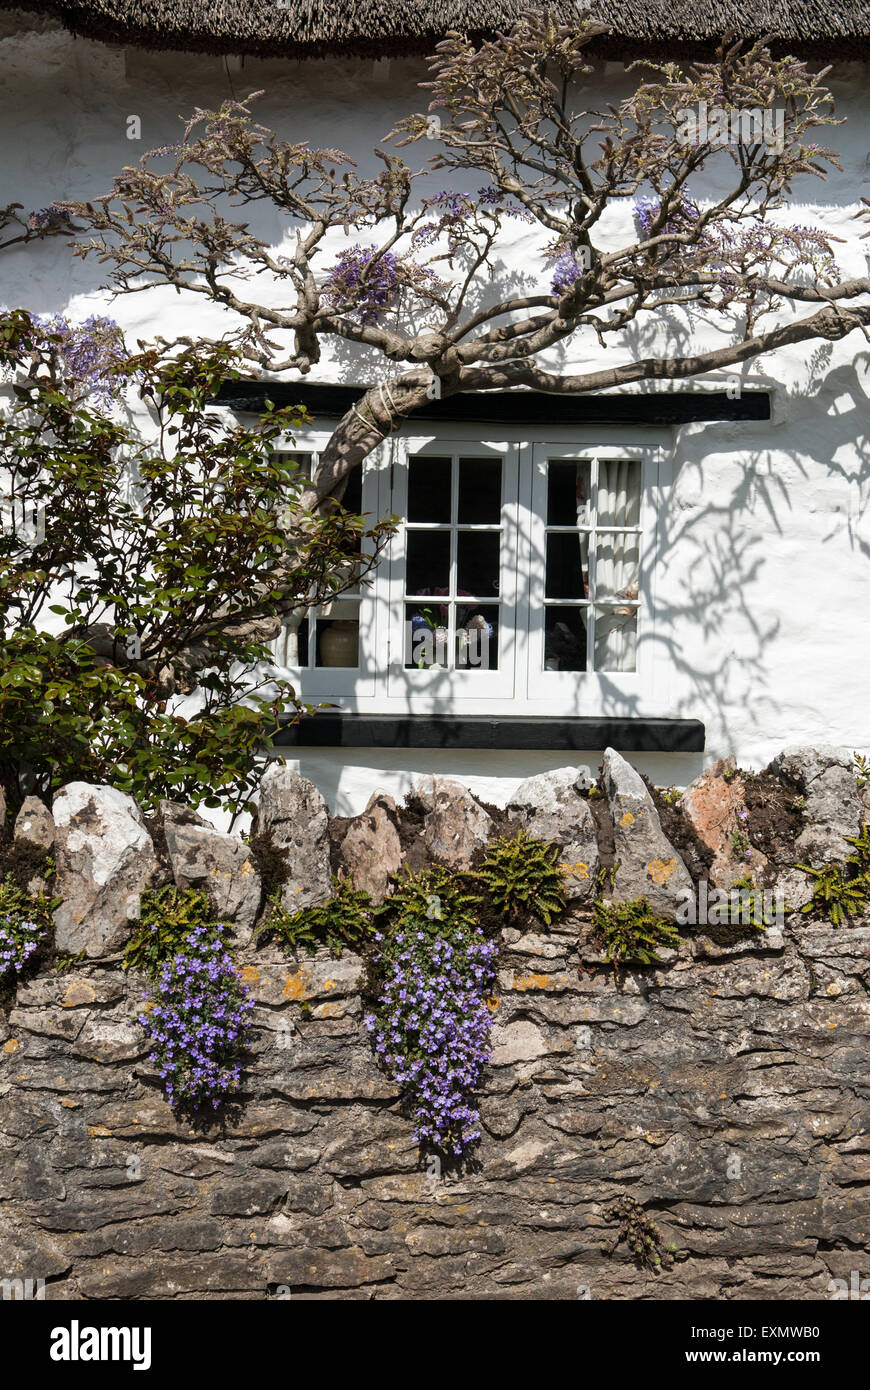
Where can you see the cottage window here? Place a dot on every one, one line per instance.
(519, 575)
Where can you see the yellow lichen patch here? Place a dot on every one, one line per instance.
(530, 982)
(11, 1045)
(492, 1003)
(296, 986)
(68, 1103)
(577, 870)
(627, 819)
(328, 1011)
(660, 870)
(99, 1131)
(247, 867)
(78, 992)
(250, 974)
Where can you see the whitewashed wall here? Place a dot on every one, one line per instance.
(762, 558)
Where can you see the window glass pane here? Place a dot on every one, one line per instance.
(568, 490)
(617, 564)
(616, 639)
(429, 489)
(567, 565)
(618, 492)
(477, 628)
(565, 639)
(428, 561)
(425, 636)
(478, 562)
(352, 499)
(479, 491)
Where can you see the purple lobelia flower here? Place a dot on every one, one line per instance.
(431, 1030)
(196, 1019)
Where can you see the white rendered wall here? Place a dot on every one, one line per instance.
(762, 553)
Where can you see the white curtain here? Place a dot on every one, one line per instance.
(616, 565)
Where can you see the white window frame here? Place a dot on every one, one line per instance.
(476, 684)
(519, 685)
(584, 691)
(342, 682)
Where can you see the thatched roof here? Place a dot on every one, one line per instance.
(317, 27)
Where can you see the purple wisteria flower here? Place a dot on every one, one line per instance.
(733, 249)
(371, 297)
(566, 272)
(431, 1031)
(454, 212)
(90, 354)
(50, 219)
(196, 1018)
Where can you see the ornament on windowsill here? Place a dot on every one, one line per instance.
(339, 643)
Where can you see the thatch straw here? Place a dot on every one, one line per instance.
(300, 28)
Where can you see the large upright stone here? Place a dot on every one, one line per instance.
(293, 814)
(649, 866)
(221, 866)
(371, 851)
(832, 806)
(34, 824)
(550, 806)
(714, 807)
(455, 826)
(105, 861)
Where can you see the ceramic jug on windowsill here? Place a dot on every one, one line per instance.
(339, 643)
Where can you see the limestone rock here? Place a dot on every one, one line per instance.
(833, 805)
(649, 866)
(105, 861)
(34, 824)
(371, 851)
(292, 813)
(456, 827)
(550, 807)
(220, 865)
(712, 805)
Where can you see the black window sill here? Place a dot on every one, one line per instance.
(339, 730)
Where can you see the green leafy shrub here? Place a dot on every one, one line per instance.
(640, 1233)
(751, 908)
(435, 894)
(110, 608)
(861, 767)
(168, 916)
(24, 922)
(632, 931)
(836, 895)
(521, 876)
(859, 862)
(345, 921)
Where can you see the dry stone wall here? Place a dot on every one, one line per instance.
(725, 1089)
